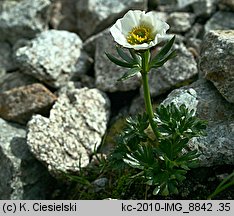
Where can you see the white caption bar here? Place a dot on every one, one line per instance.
(116, 207)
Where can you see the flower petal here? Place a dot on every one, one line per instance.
(134, 18)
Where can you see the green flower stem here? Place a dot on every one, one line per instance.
(148, 104)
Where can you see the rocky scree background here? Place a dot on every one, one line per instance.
(59, 94)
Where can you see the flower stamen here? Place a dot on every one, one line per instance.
(139, 35)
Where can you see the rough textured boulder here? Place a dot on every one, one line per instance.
(75, 127)
(106, 72)
(176, 71)
(180, 21)
(216, 63)
(19, 104)
(22, 176)
(217, 146)
(51, 56)
(221, 20)
(23, 19)
(96, 15)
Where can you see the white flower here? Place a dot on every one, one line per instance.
(139, 30)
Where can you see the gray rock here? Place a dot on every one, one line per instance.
(14, 80)
(217, 146)
(188, 97)
(90, 44)
(19, 104)
(96, 15)
(175, 5)
(99, 184)
(152, 4)
(106, 72)
(22, 176)
(83, 65)
(23, 19)
(137, 106)
(221, 20)
(216, 63)
(184, 3)
(162, 15)
(82, 82)
(87, 81)
(194, 46)
(204, 8)
(75, 127)
(175, 72)
(195, 32)
(6, 61)
(180, 21)
(69, 87)
(226, 5)
(2, 73)
(63, 15)
(51, 57)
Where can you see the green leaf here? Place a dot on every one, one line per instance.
(165, 191)
(184, 167)
(165, 49)
(136, 57)
(163, 61)
(130, 73)
(125, 56)
(133, 162)
(156, 190)
(172, 188)
(119, 62)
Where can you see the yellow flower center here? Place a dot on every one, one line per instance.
(139, 35)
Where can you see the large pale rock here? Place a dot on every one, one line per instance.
(22, 176)
(23, 19)
(77, 122)
(216, 63)
(96, 15)
(14, 80)
(51, 57)
(174, 72)
(19, 104)
(217, 146)
(106, 72)
(221, 20)
(180, 21)
(6, 61)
